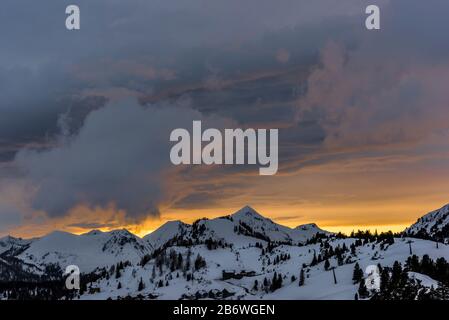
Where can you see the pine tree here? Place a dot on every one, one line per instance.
(188, 262)
(180, 261)
(363, 291)
(396, 273)
(256, 285)
(301, 278)
(314, 260)
(276, 282)
(384, 280)
(199, 262)
(119, 286)
(353, 249)
(118, 274)
(153, 273)
(327, 265)
(141, 285)
(357, 274)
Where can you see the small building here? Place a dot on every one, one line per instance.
(232, 274)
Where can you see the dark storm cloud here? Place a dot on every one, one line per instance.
(119, 157)
(144, 49)
(31, 103)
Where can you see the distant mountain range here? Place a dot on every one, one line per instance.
(240, 256)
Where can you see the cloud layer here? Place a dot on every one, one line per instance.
(86, 116)
(119, 158)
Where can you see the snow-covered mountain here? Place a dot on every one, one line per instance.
(434, 225)
(97, 249)
(88, 251)
(240, 256)
(242, 228)
(168, 231)
(254, 223)
(9, 243)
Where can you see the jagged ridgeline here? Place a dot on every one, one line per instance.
(243, 255)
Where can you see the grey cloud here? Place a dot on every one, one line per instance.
(9, 217)
(158, 26)
(141, 48)
(31, 102)
(118, 157)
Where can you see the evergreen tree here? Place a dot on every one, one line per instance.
(363, 291)
(141, 285)
(301, 278)
(276, 282)
(353, 252)
(256, 285)
(314, 260)
(199, 262)
(396, 273)
(327, 265)
(357, 275)
(180, 261)
(153, 273)
(384, 280)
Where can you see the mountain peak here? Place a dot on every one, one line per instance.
(248, 208)
(93, 232)
(122, 232)
(174, 223)
(247, 211)
(307, 226)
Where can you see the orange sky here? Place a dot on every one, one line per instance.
(381, 193)
(381, 218)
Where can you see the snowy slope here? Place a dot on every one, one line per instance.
(167, 232)
(319, 283)
(305, 232)
(87, 251)
(434, 225)
(15, 244)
